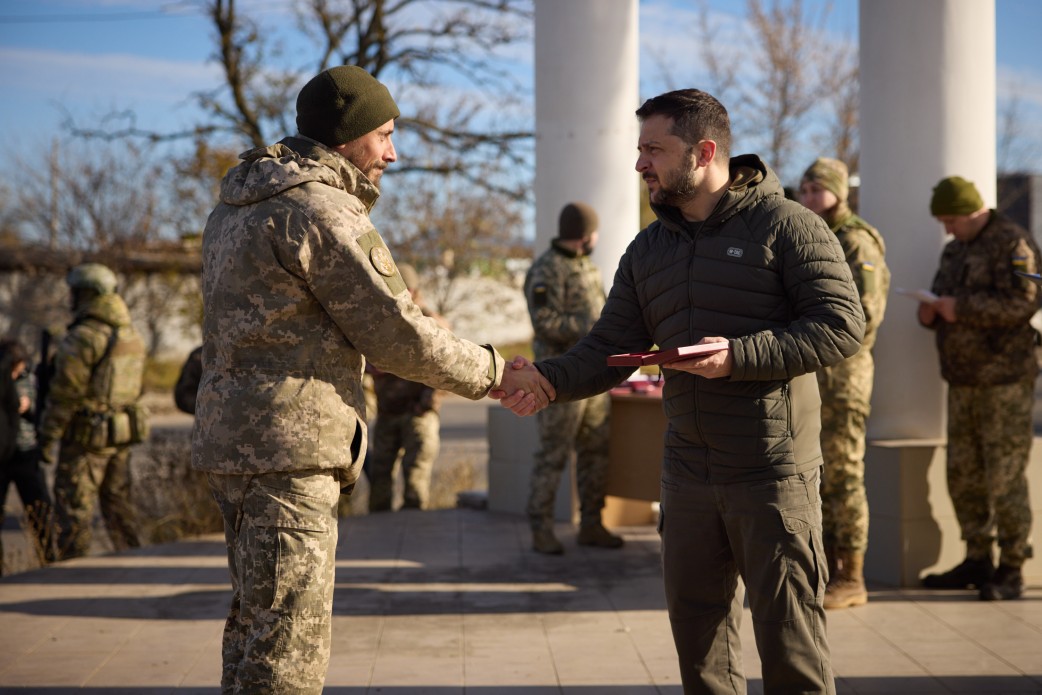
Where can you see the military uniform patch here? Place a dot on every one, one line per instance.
(373, 246)
(539, 295)
(381, 260)
(868, 277)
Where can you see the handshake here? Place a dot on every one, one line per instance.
(523, 388)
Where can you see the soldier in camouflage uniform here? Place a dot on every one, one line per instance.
(565, 297)
(297, 287)
(846, 388)
(92, 411)
(407, 423)
(987, 353)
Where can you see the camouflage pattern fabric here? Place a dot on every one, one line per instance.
(580, 428)
(98, 371)
(417, 439)
(846, 394)
(82, 477)
(565, 296)
(281, 531)
(988, 359)
(989, 444)
(992, 342)
(297, 287)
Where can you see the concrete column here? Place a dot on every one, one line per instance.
(927, 112)
(586, 76)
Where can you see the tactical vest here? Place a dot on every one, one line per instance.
(110, 410)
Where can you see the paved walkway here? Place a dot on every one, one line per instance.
(453, 601)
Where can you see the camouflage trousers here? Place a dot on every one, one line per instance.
(281, 531)
(844, 504)
(417, 439)
(989, 442)
(81, 479)
(581, 427)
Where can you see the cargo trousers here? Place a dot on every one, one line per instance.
(281, 531)
(768, 533)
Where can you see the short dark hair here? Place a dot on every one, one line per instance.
(696, 115)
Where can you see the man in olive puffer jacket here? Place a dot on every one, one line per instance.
(730, 260)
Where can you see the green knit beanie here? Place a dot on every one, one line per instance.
(830, 174)
(955, 196)
(341, 104)
(577, 221)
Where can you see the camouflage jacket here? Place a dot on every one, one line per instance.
(565, 297)
(297, 287)
(81, 384)
(850, 381)
(398, 396)
(992, 341)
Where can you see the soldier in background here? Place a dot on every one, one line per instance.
(407, 423)
(92, 416)
(846, 388)
(299, 289)
(986, 347)
(565, 296)
(23, 466)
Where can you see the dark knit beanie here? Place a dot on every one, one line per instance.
(830, 174)
(577, 221)
(955, 196)
(341, 104)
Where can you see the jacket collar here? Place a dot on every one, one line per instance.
(751, 181)
(355, 182)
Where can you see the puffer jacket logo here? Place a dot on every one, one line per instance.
(735, 252)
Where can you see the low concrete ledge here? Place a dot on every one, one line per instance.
(912, 526)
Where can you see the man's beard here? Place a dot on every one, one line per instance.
(374, 172)
(678, 186)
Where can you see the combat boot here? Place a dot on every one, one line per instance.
(544, 541)
(596, 535)
(847, 587)
(1006, 584)
(967, 574)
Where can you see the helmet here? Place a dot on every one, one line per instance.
(92, 276)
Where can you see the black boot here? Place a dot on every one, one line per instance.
(969, 573)
(1008, 583)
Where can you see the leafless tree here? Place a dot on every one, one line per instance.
(1016, 152)
(450, 232)
(786, 75)
(89, 196)
(428, 49)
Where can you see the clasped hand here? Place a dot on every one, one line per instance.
(523, 389)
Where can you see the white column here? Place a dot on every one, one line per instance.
(586, 77)
(927, 112)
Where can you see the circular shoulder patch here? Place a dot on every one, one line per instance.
(381, 260)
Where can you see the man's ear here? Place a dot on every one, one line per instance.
(706, 152)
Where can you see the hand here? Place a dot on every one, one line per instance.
(523, 389)
(945, 306)
(712, 366)
(927, 314)
(24, 404)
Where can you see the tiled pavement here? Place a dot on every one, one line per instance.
(453, 601)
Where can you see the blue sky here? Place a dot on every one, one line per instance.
(90, 58)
